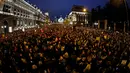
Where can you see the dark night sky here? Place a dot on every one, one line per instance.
(63, 7)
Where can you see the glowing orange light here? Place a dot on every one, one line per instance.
(84, 10)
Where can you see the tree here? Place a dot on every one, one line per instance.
(113, 13)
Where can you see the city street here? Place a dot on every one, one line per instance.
(68, 36)
(59, 48)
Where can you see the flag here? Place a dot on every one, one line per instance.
(98, 38)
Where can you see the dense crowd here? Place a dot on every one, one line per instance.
(64, 49)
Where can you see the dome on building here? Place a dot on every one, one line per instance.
(60, 20)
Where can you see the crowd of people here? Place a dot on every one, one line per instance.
(64, 49)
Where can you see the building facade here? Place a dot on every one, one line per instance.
(78, 15)
(18, 14)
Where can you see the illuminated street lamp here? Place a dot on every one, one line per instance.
(5, 26)
(84, 9)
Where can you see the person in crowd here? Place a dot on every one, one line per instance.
(62, 49)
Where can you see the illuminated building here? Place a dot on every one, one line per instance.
(18, 14)
(47, 19)
(78, 15)
(60, 20)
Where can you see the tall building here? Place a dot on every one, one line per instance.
(18, 14)
(47, 18)
(78, 15)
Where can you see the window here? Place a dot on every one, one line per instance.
(14, 13)
(6, 8)
(14, 9)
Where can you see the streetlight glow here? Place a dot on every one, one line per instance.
(5, 26)
(2, 27)
(84, 10)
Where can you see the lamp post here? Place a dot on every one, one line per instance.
(85, 21)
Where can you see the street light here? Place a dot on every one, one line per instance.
(4, 26)
(84, 10)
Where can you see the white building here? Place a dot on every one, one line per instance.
(18, 14)
(78, 15)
